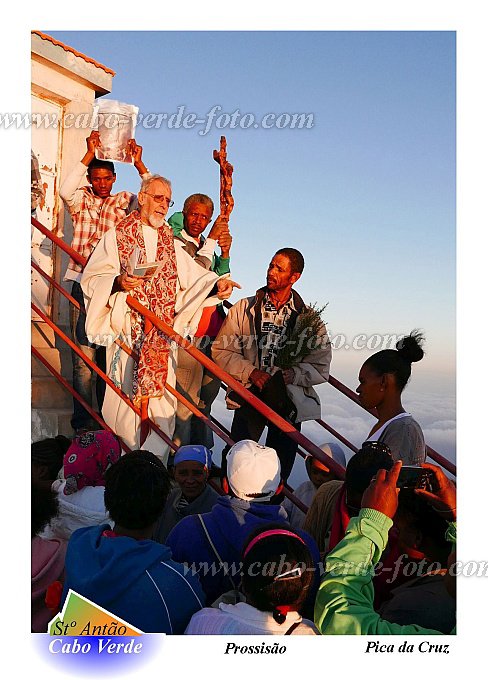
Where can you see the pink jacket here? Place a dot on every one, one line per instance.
(47, 566)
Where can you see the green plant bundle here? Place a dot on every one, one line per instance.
(305, 337)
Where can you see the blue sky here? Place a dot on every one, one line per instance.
(367, 194)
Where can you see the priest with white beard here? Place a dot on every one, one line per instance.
(176, 293)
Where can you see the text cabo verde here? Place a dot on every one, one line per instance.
(104, 646)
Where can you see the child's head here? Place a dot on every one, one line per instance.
(88, 459)
(277, 570)
(136, 489)
(318, 472)
(253, 472)
(47, 457)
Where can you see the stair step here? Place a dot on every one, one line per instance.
(61, 361)
(49, 393)
(42, 335)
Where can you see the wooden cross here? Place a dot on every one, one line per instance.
(226, 170)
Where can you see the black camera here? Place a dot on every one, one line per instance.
(414, 477)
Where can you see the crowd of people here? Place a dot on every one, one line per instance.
(166, 540)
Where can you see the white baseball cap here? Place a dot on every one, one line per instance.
(253, 471)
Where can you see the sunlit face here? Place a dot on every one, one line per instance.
(196, 217)
(102, 181)
(280, 276)
(371, 388)
(191, 477)
(154, 203)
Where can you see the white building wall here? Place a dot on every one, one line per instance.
(62, 83)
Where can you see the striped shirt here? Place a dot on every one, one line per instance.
(273, 327)
(92, 216)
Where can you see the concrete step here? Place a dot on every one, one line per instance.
(42, 335)
(38, 370)
(49, 393)
(49, 422)
(61, 361)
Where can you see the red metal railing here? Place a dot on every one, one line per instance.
(259, 405)
(75, 394)
(99, 372)
(216, 427)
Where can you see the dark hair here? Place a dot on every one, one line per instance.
(44, 506)
(50, 453)
(297, 263)
(105, 165)
(363, 466)
(420, 514)
(136, 489)
(398, 361)
(266, 560)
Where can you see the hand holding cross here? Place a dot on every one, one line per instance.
(226, 170)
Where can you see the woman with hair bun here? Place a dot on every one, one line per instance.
(382, 379)
(277, 572)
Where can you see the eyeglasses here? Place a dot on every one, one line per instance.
(159, 198)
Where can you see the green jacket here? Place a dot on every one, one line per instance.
(344, 604)
(220, 265)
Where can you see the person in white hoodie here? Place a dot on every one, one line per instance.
(277, 574)
(80, 493)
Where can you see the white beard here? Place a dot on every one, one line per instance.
(156, 221)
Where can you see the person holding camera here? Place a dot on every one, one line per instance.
(344, 604)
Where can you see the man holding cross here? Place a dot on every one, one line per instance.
(193, 381)
(196, 383)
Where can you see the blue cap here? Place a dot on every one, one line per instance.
(196, 452)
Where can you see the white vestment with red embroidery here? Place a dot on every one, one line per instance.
(109, 317)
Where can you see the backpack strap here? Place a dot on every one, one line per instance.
(215, 549)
